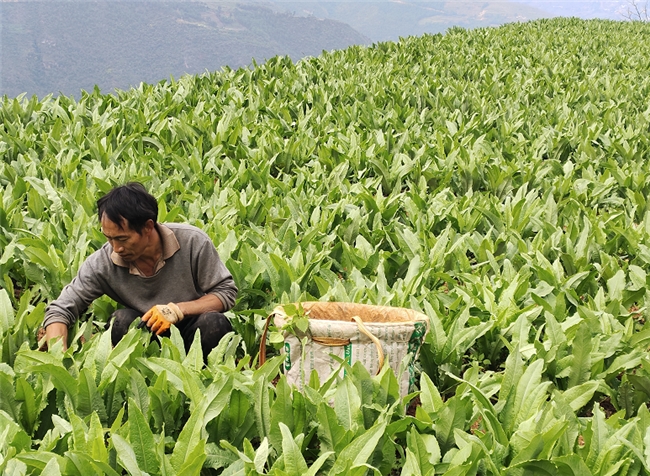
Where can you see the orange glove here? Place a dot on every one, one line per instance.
(160, 317)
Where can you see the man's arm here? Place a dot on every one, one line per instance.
(57, 330)
(214, 278)
(76, 296)
(206, 303)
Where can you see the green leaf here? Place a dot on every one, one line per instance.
(436, 335)
(95, 440)
(235, 469)
(88, 398)
(541, 445)
(641, 383)
(347, 405)
(332, 435)
(25, 394)
(531, 392)
(182, 379)
(13, 436)
(261, 456)
(188, 439)
(166, 468)
(79, 432)
(142, 441)
(581, 364)
(488, 412)
(6, 312)
(281, 411)
(262, 407)
(125, 455)
(450, 417)
(411, 465)
(218, 396)
(638, 277)
(84, 464)
(194, 358)
(314, 469)
(616, 286)
(118, 357)
(597, 436)
(294, 462)
(139, 392)
(424, 449)
(572, 465)
(194, 460)
(52, 468)
(537, 468)
(177, 343)
(360, 449)
(8, 401)
(578, 396)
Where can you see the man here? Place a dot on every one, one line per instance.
(169, 274)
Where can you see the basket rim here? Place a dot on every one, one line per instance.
(414, 316)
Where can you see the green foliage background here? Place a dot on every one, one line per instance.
(494, 179)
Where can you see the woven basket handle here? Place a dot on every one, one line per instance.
(371, 336)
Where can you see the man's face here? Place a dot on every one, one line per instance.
(127, 243)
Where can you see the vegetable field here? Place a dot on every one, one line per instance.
(496, 180)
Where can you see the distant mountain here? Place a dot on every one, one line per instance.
(392, 19)
(66, 46)
(58, 46)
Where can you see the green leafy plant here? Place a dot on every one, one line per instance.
(493, 179)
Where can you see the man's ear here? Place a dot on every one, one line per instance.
(149, 225)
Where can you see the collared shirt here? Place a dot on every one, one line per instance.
(190, 268)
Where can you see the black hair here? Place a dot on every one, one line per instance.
(130, 202)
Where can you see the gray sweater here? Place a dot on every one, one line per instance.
(190, 268)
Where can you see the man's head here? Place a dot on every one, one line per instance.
(127, 215)
(128, 205)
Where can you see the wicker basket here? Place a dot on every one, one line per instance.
(372, 335)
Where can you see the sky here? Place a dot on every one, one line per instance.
(611, 9)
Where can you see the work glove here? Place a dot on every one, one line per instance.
(160, 317)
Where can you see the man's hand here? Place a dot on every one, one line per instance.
(160, 317)
(57, 330)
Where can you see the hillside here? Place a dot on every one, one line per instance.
(495, 180)
(64, 47)
(52, 47)
(390, 20)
